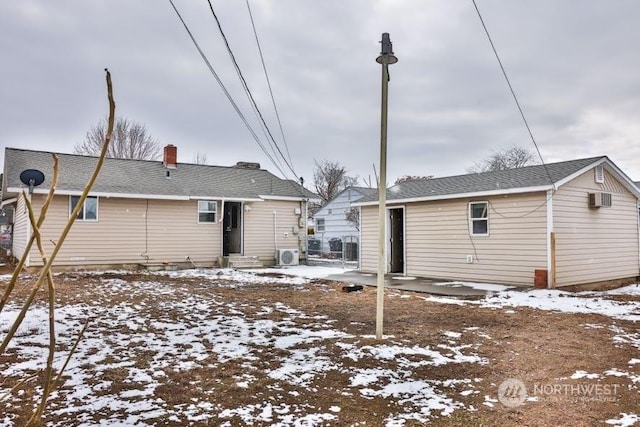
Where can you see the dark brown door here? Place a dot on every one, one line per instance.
(232, 231)
(396, 235)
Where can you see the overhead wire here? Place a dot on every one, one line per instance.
(224, 89)
(513, 93)
(271, 139)
(264, 67)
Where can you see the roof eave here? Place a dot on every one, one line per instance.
(460, 195)
(288, 198)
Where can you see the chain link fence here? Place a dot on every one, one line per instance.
(343, 248)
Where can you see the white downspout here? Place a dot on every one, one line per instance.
(275, 231)
(638, 231)
(550, 272)
(27, 262)
(359, 238)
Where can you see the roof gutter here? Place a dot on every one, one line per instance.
(458, 195)
(288, 198)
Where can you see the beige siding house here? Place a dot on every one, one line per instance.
(562, 224)
(158, 212)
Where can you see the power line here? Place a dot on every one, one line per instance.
(248, 91)
(224, 89)
(513, 93)
(264, 67)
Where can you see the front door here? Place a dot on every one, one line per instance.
(232, 228)
(396, 240)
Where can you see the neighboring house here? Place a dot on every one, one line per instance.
(142, 211)
(568, 223)
(331, 220)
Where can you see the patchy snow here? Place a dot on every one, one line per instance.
(193, 332)
(196, 332)
(554, 300)
(625, 290)
(306, 271)
(474, 285)
(625, 420)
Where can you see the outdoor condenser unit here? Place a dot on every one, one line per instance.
(288, 256)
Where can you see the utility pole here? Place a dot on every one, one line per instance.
(386, 57)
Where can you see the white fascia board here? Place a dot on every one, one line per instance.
(226, 199)
(459, 196)
(287, 198)
(576, 174)
(612, 168)
(622, 177)
(8, 202)
(107, 195)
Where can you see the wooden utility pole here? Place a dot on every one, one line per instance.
(386, 57)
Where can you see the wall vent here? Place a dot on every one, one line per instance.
(599, 174)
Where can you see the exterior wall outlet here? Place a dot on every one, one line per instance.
(469, 259)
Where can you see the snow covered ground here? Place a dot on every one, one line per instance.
(195, 332)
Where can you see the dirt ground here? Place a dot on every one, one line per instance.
(537, 347)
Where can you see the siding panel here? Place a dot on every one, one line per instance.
(595, 244)
(438, 241)
(129, 231)
(260, 239)
(21, 228)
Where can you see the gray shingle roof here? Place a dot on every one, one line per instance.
(525, 177)
(143, 177)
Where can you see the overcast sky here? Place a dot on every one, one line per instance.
(575, 66)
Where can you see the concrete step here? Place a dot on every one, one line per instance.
(159, 266)
(239, 261)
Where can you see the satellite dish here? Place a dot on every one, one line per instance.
(32, 178)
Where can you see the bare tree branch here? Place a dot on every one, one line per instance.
(200, 158)
(130, 140)
(408, 178)
(509, 158)
(353, 216)
(330, 178)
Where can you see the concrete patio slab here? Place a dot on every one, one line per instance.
(415, 284)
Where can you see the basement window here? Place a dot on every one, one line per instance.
(206, 211)
(479, 218)
(89, 211)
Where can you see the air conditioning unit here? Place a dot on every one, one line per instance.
(288, 256)
(597, 200)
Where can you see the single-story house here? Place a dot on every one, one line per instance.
(560, 224)
(332, 221)
(164, 212)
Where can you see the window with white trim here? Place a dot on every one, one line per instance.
(89, 211)
(479, 218)
(206, 211)
(320, 225)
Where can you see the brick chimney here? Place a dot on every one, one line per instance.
(170, 159)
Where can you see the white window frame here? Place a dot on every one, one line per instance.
(324, 225)
(82, 215)
(472, 220)
(214, 211)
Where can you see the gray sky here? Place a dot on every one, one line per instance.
(574, 65)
